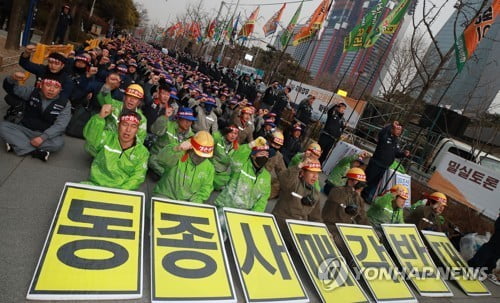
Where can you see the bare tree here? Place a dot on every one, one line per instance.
(430, 66)
(15, 24)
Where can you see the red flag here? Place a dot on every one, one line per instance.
(211, 29)
(271, 25)
(315, 23)
(248, 27)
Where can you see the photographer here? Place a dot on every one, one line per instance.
(344, 204)
(298, 198)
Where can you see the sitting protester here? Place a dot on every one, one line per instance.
(54, 69)
(298, 198)
(119, 160)
(276, 164)
(45, 117)
(389, 207)
(189, 174)
(170, 133)
(426, 214)
(313, 152)
(206, 119)
(244, 124)
(226, 145)
(336, 177)
(131, 101)
(292, 144)
(344, 204)
(250, 183)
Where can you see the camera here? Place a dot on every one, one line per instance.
(307, 200)
(351, 209)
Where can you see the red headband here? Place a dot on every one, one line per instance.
(51, 82)
(312, 166)
(201, 148)
(82, 58)
(129, 118)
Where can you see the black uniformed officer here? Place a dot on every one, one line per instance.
(387, 150)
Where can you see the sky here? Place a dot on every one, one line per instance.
(164, 12)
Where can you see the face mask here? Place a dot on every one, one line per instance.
(259, 162)
(196, 159)
(80, 70)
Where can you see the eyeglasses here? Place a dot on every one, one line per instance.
(54, 61)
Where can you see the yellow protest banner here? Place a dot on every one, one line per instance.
(189, 262)
(326, 267)
(415, 260)
(374, 264)
(94, 247)
(457, 269)
(92, 43)
(265, 268)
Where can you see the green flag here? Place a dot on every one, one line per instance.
(288, 32)
(390, 23)
(229, 30)
(357, 37)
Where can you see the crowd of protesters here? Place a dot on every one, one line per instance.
(195, 128)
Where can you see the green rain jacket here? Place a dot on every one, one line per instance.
(246, 189)
(183, 180)
(382, 211)
(299, 157)
(112, 120)
(168, 134)
(221, 160)
(338, 173)
(113, 166)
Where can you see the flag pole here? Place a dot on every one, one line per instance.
(220, 58)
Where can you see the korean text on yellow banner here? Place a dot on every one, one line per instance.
(458, 270)
(326, 267)
(375, 265)
(94, 247)
(189, 262)
(265, 268)
(415, 260)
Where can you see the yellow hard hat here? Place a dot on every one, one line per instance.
(135, 90)
(312, 165)
(400, 190)
(278, 137)
(357, 174)
(203, 144)
(439, 197)
(315, 148)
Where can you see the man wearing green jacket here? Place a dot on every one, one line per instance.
(169, 133)
(131, 101)
(189, 175)
(119, 160)
(226, 144)
(249, 186)
(336, 178)
(389, 207)
(313, 152)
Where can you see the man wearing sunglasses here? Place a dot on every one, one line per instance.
(46, 115)
(54, 69)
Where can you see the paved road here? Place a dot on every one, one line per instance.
(29, 193)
